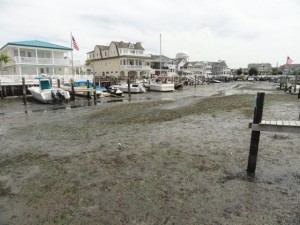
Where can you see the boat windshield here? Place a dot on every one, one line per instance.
(45, 84)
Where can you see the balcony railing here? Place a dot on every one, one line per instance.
(42, 61)
(135, 67)
(134, 54)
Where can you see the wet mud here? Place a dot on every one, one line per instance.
(157, 158)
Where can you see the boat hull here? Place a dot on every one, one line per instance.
(49, 95)
(161, 87)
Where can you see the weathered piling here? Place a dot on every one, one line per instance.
(255, 135)
(128, 83)
(1, 91)
(24, 90)
(72, 97)
(12, 89)
(94, 87)
(88, 86)
(299, 93)
(195, 81)
(58, 83)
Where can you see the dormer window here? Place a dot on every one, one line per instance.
(131, 46)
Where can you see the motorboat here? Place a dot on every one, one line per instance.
(134, 87)
(45, 93)
(114, 92)
(161, 83)
(82, 88)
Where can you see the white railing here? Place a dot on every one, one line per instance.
(66, 78)
(134, 54)
(44, 61)
(137, 67)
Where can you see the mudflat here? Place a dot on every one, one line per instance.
(181, 159)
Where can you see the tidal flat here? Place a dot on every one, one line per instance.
(171, 158)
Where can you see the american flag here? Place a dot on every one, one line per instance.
(289, 61)
(74, 43)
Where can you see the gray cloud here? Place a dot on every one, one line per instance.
(237, 31)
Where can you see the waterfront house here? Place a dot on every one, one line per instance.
(199, 68)
(120, 59)
(220, 68)
(262, 68)
(36, 57)
(163, 65)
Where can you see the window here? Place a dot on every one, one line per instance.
(131, 46)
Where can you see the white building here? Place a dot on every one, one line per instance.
(36, 57)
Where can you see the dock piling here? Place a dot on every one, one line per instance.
(128, 83)
(88, 86)
(255, 135)
(72, 91)
(58, 83)
(24, 90)
(94, 87)
(1, 90)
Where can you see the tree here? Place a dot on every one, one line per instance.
(253, 71)
(3, 58)
(275, 71)
(239, 71)
(88, 62)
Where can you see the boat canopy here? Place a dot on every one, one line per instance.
(45, 84)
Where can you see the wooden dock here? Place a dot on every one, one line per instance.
(259, 125)
(277, 126)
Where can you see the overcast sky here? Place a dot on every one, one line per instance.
(237, 31)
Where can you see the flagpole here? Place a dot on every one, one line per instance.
(72, 56)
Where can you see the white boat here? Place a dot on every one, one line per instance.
(114, 92)
(161, 83)
(134, 87)
(81, 89)
(46, 94)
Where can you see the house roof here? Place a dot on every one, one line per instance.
(38, 44)
(122, 44)
(163, 57)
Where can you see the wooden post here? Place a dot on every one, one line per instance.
(299, 93)
(94, 87)
(24, 90)
(5, 91)
(72, 91)
(195, 80)
(88, 86)
(128, 83)
(12, 89)
(258, 112)
(1, 90)
(58, 83)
